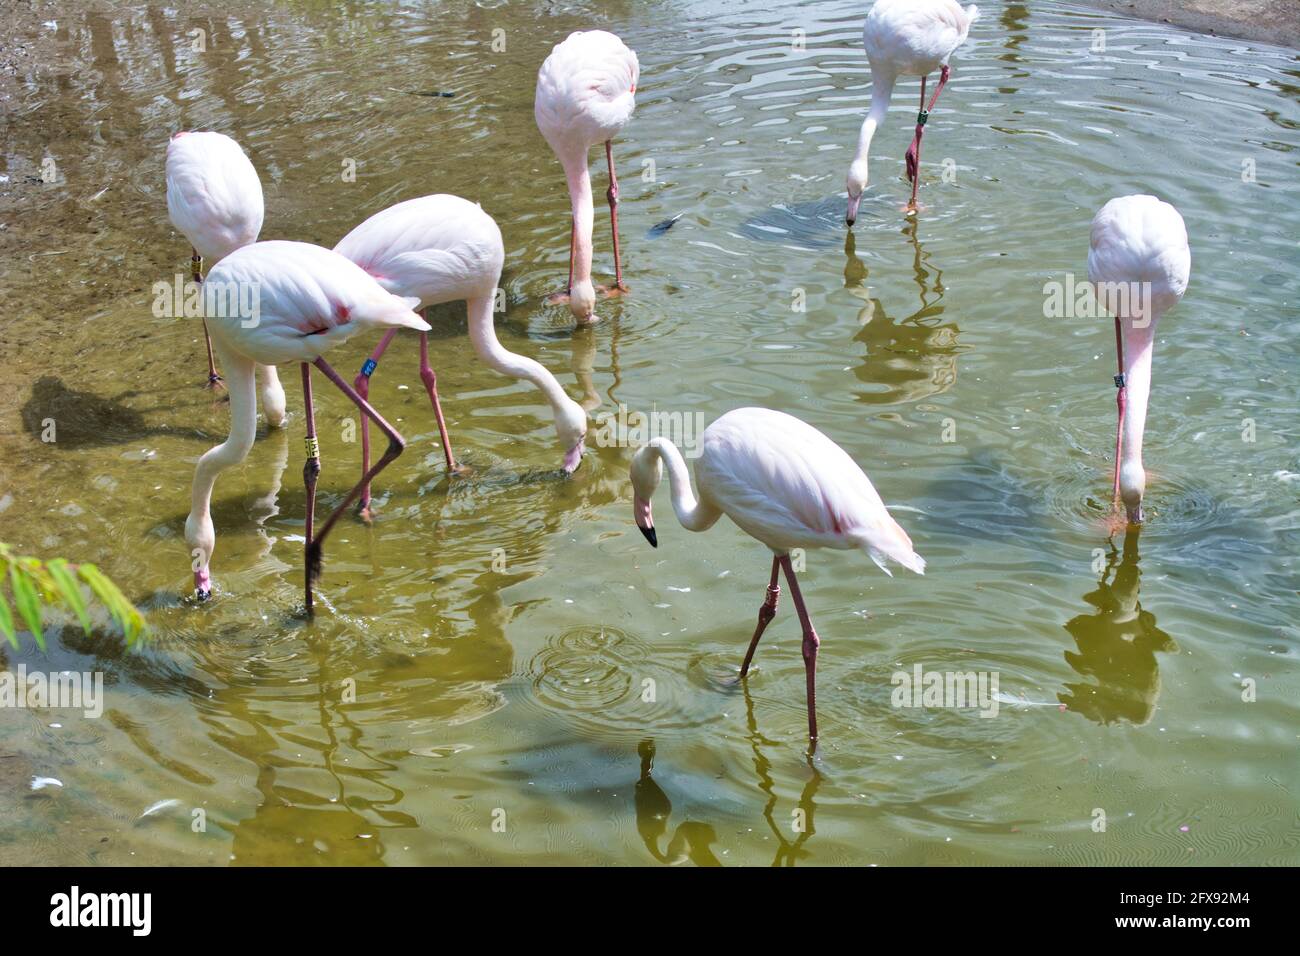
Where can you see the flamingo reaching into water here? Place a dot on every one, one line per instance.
(441, 249)
(306, 300)
(786, 484)
(905, 38)
(1138, 255)
(214, 199)
(586, 91)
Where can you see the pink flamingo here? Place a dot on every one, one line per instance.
(787, 485)
(586, 91)
(905, 38)
(442, 249)
(214, 199)
(1139, 258)
(306, 301)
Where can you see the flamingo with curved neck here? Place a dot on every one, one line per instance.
(443, 248)
(784, 483)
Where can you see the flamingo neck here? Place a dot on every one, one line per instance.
(578, 176)
(241, 386)
(483, 336)
(691, 513)
(1139, 345)
(882, 90)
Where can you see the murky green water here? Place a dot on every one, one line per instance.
(514, 693)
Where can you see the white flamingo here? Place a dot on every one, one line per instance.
(905, 38)
(307, 300)
(214, 199)
(586, 91)
(1139, 256)
(786, 484)
(442, 249)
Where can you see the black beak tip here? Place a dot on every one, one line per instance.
(650, 536)
(849, 222)
(202, 594)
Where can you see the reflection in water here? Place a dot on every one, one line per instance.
(1117, 647)
(690, 841)
(801, 818)
(914, 357)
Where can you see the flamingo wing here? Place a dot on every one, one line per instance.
(586, 90)
(435, 248)
(1141, 239)
(304, 300)
(788, 485)
(214, 196)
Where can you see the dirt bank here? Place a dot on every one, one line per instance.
(1268, 21)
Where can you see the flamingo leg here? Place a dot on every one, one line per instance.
(1121, 402)
(310, 473)
(573, 250)
(612, 195)
(362, 385)
(430, 379)
(765, 615)
(810, 644)
(913, 157)
(396, 444)
(196, 272)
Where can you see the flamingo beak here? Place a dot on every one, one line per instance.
(1135, 515)
(644, 520)
(852, 215)
(573, 457)
(202, 585)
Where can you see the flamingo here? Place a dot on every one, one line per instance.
(785, 484)
(441, 249)
(307, 300)
(1139, 260)
(905, 38)
(214, 199)
(586, 91)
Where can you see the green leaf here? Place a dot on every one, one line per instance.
(70, 591)
(7, 622)
(123, 611)
(29, 605)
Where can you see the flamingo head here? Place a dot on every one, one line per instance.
(571, 427)
(856, 184)
(202, 539)
(646, 473)
(582, 301)
(1132, 486)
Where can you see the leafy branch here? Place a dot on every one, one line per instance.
(36, 584)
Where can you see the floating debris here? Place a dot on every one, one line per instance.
(659, 228)
(40, 783)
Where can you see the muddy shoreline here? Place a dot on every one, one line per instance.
(1267, 21)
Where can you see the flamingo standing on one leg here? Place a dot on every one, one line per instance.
(786, 484)
(441, 249)
(1138, 254)
(307, 300)
(905, 38)
(214, 199)
(586, 91)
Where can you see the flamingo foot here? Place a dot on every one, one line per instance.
(214, 382)
(613, 291)
(364, 513)
(558, 298)
(461, 470)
